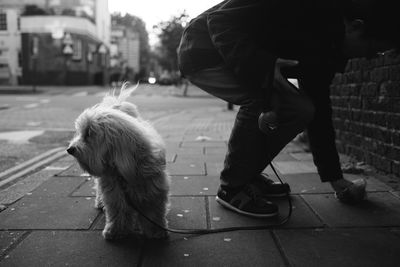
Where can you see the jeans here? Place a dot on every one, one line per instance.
(250, 150)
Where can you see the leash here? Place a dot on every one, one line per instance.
(226, 229)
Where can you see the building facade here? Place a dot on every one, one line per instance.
(10, 42)
(124, 53)
(56, 41)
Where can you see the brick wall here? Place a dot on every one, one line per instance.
(366, 111)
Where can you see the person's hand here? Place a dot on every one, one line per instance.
(280, 82)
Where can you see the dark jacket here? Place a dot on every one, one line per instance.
(248, 36)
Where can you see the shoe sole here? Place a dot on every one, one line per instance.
(255, 215)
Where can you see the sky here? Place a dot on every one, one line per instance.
(154, 11)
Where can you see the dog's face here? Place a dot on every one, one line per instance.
(89, 144)
(108, 141)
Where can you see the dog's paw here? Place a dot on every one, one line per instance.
(108, 235)
(99, 205)
(111, 233)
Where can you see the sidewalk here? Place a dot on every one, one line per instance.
(41, 89)
(52, 221)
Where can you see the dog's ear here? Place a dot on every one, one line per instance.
(125, 143)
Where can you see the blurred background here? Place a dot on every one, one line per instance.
(92, 42)
(58, 57)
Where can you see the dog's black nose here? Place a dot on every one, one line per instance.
(71, 150)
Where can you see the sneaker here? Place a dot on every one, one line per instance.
(246, 201)
(269, 188)
(353, 193)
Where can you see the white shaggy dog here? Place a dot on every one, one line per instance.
(127, 157)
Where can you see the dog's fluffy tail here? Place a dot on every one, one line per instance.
(111, 99)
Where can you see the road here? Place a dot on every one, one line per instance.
(33, 123)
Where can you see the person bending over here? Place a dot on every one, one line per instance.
(242, 51)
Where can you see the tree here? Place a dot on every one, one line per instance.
(136, 24)
(170, 33)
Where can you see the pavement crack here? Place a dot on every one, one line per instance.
(280, 248)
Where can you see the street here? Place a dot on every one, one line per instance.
(47, 214)
(33, 123)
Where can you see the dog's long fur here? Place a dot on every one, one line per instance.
(127, 157)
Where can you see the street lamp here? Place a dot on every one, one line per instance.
(34, 56)
(89, 60)
(102, 50)
(67, 52)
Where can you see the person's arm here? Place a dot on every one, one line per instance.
(233, 28)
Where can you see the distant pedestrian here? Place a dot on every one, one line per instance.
(242, 51)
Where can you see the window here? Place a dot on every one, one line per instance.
(77, 55)
(3, 21)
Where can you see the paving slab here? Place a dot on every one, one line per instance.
(340, 247)
(216, 150)
(58, 186)
(171, 137)
(73, 170)
(209, 158)
(86, 189)
(284, 157)
(301, 156)
(100, 222)
(187, 158)
(188, 151)
(49, 213)
(171, 148)
(66, 160)
(306, 183)
(380, 209)
(269, 171)
(184, 213)
(187, 213)
(291, 167)
(203, 143)
(73, 248)
(302, 215)
(24, 186)
(172, 144)
(170, 156)
(214, 168)
(8, 238)
(292, 148)
(194, 185)
(373, 184)
(59, 166)
(189, 168)
(310, 183)
(250, 248)
(19, 137)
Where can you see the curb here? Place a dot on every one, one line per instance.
(30, 165)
